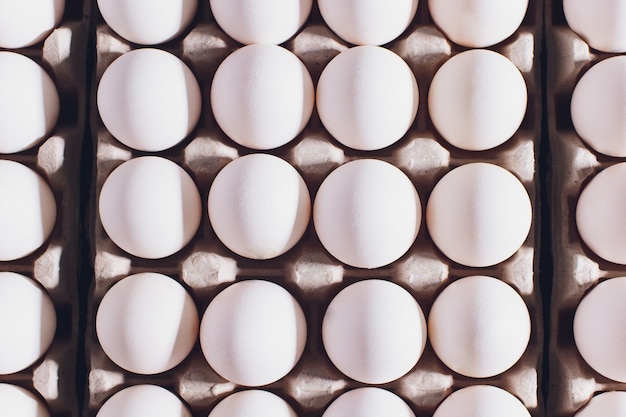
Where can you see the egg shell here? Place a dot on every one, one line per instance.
(605, 404)
(477, 100)
(259, 206)
(367, 98)
(374, 331)
(262, 96)
(601, 23)
(29, 103)
(143, 400)
(368, 402)
(150, 207)
(253, 333)
(252, 402)
(481, 401)
(27, 322)
(18, 402)
(20, 27)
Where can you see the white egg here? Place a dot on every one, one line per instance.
(478, 23)
(600, 214)
(477, 100)
(259, 206)
(368, 402)
(479, 326)
(367, 97)
(262, 96)
(150, 207)
(19, 402)
(368, 22)
(261, 21)
(597, 107)
(609, 404)
(481, 401)
(253, 333)
(148, 22)
(142, 401)
(24, 23)
(601, 23)
(29, 103)
(374, 331)
(600, 328)
(252, 403)
(147, 323)
(367, 213)
(149, 100)
(27, 212)
(27, 323)
(479, 214)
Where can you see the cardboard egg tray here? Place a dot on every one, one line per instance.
(576, 268)
(57, 159)
(206, 266)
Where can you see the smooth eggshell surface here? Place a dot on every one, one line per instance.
(262, 96)
(478, 23)
(24, 23)
(477, 100)
(481, 401)
(479, 326)
(479, 214)
(147, 323)
(259, 206)
(367, 97)
(601, 23)
(261, 21)
(600, 214)
(27, 322)
(609, 404)
(143, 401)
(253, 333)
(374, 331)
(252, 403)
(148, 22)
(368, 22)
(367, 213)
(597, 107)
(18, 402)
(149, 100)
(600, 328)
(150, 207)
(27, 213)
(29, 103)
(368, 402)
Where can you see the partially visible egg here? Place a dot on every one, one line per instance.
(149, 99)
(18, 402)
(252, 403)
(367, 213)
(262, 96)
(142, 401)
(479, 326)
(261, 21)
(147, 323)
(27, 323)
(611, 403)
(481, 401)
(27, 213)
(253, 333)
(368, 22)
(25, 23)
(367, 97)
(148, 22)
(29, 103)
(374, 331)
(601, 23)
(477, 100)
(478, 23)
(368, 402)
(150, 207)
(259, 206)
(479, 214)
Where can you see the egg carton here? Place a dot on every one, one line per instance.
(205, 266)
(57, 159)
(576, 268)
